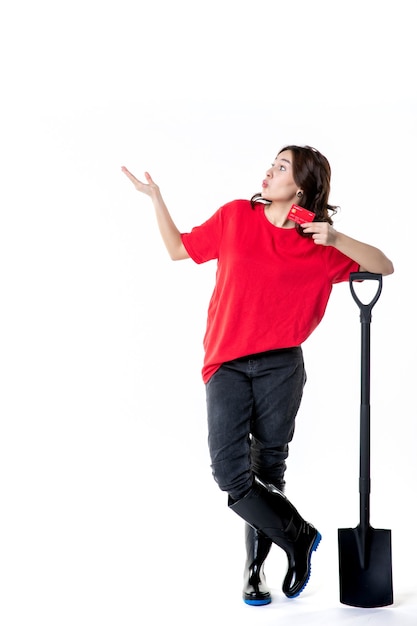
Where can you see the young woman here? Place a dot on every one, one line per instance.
(273, 281)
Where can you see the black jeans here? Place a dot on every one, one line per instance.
(252, 403)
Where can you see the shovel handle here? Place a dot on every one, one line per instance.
(365, 318)
(365, 308)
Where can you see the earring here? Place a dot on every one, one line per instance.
(299, 194)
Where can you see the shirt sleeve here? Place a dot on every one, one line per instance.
(203, 242)
(340, 266)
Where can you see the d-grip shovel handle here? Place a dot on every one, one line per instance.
(364, 474)
(365, 564)
(365, 308)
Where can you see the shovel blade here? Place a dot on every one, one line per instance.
(365, 567)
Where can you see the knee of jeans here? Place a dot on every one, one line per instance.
(274, 474)
(236, 485)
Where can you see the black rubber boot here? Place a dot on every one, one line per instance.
(267, 510)
(255, 590)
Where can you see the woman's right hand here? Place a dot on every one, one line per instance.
(170, 233)
(150, 188)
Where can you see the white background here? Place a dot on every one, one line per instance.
(108, 511)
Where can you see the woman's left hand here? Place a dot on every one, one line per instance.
(323, 234)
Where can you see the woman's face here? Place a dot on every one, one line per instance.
(279, 183)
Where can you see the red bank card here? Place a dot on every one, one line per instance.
(300, 215)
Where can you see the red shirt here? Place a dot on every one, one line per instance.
(272, 285)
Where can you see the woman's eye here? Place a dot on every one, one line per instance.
(282, 168)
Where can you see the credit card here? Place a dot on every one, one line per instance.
(300, 215)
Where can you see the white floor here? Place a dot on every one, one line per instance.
(109, 554)
(108, 521)
(217, 594)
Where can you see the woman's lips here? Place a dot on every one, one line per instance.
(264, 184)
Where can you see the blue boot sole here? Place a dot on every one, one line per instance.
(313, 549)
(257, 602)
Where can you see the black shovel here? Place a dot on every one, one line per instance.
(365, 564)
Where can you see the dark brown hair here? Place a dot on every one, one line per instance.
(311, 172)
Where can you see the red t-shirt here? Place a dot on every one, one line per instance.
(272, 285)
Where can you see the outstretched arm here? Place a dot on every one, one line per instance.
(170, 234)
(370, 259)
